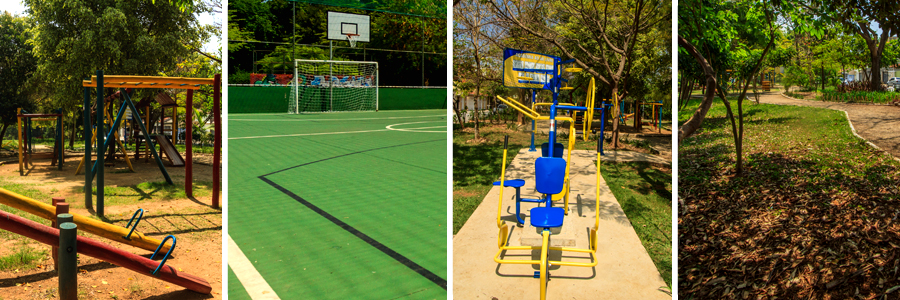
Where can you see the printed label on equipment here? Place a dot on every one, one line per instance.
(552, 125)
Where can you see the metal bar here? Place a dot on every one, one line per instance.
(150, 145)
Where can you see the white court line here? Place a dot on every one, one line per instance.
(249, 277)
(304, 134)
(391, 127)
(307, 120)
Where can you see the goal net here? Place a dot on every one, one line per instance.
(331, 86)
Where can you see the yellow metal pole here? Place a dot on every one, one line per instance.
(100, 228)
(502, 180)
(544, 245)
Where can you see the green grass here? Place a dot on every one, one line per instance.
(809, 188)
(644, 192)
(145, 191)
(27, 190)
(24, 258)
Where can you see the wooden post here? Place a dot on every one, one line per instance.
(61, 208)
(68, 262)
(101, 150)
(217, 147)
(188, 144)
(19, 129)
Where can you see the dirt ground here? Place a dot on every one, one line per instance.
(876, 123)
(194, 223)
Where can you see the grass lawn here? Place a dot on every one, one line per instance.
(813, 216)
(643, 191)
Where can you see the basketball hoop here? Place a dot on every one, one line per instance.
(352, 39)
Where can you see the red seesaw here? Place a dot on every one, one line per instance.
(92, 248)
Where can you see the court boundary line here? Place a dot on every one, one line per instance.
(434, 278)
(247, 275)
(319, 120)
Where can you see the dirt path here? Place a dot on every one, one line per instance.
(876, 123)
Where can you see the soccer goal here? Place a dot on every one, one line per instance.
(334, 86)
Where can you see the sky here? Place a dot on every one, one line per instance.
(17, 8)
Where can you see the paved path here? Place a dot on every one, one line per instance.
(624, 269)
(876, 123)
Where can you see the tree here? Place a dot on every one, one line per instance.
(875, 21)
(131, 37)
(17, 65)
(600, 36)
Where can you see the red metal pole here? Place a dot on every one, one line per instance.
(217, 147)
(188, 144)
(61, 208)
(92, 248)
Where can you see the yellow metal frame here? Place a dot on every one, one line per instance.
(503, 234)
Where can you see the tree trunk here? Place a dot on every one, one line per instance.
(688, 128)
(477, 112)
(456, 109)
(3, 133)
(615, 124)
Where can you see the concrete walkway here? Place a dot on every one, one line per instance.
(624, 269)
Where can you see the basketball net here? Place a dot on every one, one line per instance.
(352, 38)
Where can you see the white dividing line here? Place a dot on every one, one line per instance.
(304, 134)
(345, 120)
(252, 281)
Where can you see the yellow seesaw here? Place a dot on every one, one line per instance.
(109, 231)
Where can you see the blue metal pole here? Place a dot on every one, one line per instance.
(101, 150)
(533, 93)
(602, 125)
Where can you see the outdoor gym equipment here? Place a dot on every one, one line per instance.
(122, 82)
(531, 70)
(550, 179)
(26, 139)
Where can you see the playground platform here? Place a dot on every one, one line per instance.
(624, 270)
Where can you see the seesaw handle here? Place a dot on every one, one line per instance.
(599, 143)
(505, 141)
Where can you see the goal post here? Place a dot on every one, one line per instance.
(333, 86)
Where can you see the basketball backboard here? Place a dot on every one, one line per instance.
(340, 24)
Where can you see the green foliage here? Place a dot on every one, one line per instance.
(17, 65)
(270, 22)
(133, 37)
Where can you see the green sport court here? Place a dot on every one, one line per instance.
(348, 205)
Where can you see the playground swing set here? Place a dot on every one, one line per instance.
(523, 69)
(126, 83)
(25, 125)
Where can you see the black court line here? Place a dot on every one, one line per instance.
(381, 247)
(348, 154)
